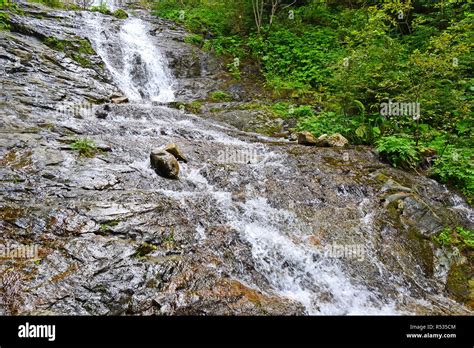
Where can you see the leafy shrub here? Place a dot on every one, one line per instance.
(399, 151)
(456, 166)
(6, 5)
(324, 123)
(50, 3)
(291, 59)
(102, 8)
(4, 25)
(194, 39)
(458, 237)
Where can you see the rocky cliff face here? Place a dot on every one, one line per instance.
(252, 226)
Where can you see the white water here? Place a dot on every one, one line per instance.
(292, 268)
(137, 66)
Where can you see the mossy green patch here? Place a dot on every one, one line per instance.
(79, 49)
(220, 96)
(457, 282)
(107, 226)
(120, 14)
(144, 249)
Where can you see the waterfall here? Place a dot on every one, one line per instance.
(137, 66)
(292, 269)
(291, 266)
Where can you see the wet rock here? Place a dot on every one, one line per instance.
(458, 283)
(306, 138)
(337, 140)
(120, 100)
(103, 111)
(392, 185)
(226, 239)
(176, 152)
(165, 164)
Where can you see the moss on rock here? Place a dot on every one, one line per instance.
(120, 14)
(78, 50)
(457, 283)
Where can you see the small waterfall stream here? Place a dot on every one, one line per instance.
(138, 68)
(253, 226)
(292, 267)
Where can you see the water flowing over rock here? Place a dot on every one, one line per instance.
(291, 230)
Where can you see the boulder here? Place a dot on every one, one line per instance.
(306, 138)
(120, 100)
(164, 164)
(176, 152)
(103, 111)
(337, 140)
(323, 141)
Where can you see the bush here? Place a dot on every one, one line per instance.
(324, 123)
(399, 151)
(50, 3)
(102, 8)
(456, 167)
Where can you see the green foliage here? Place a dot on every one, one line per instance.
(77, 50)
(350, 56)
(106, 226)
(324, 123)
(296, 60)
(301, 111)
(144, 249)
(456, 166)
(234, 69)
(220, 96)
(194, 39)
(102, 8)
(120, 14)
(4, 25)
(50, 3)
(458, 237)
(399, 151)
(6, 6)
(85, 147)
(194, 107)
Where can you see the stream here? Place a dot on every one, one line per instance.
(254, 225)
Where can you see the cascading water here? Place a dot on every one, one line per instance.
(291, 267)
(137, 66)
(252, 224)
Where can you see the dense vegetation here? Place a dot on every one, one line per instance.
(345, 59)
